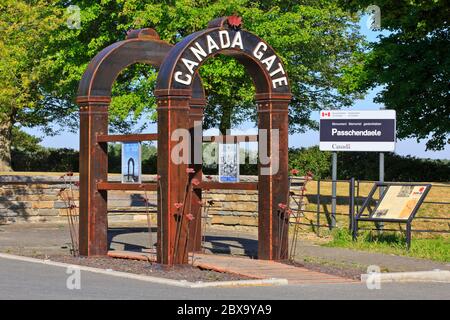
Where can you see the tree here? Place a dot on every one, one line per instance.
(24, 29)
(412, 64)
(310, 160)
(22, 141)
(318, 41)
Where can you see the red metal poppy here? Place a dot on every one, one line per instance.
(190, 216)
(178, 205)
(190, 170)
(195, 182)
(294, 172)
(282, 206)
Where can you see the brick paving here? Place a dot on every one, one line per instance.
(252, 268)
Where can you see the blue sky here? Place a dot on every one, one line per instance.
(309, 138)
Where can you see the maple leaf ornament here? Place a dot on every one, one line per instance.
(234, 22)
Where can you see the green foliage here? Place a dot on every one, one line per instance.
(22, 141)
(437, 249)
(132, 97)
(45, 160)
(28, 155)
(24, 67)
(365, 166)
(25, 63)
(412, 64)
(316, 40)
(310, 159)
(114, 157)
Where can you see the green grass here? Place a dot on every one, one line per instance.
(437, 249)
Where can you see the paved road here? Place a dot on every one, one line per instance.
(26, 280)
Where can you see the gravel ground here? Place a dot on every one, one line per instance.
(180, 272)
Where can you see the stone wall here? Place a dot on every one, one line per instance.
(35, 198)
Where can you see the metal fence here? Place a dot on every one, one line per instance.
(320, 213)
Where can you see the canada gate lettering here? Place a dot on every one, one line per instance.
(212, 43)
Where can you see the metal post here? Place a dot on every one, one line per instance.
(351, 203)
(408, 236)
(381, 166)
(355, 229)
(274, 188)
(380, 225)
(318, 206)
(357, 196)
(333, 189)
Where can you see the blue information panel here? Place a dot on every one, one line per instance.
(228, 162)
(131, 162)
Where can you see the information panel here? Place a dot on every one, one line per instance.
(399, 202)
(228, 162)
(357, 130)
(131, 162)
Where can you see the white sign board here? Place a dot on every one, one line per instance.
(131, 162)
(372, 130)
(228, 162)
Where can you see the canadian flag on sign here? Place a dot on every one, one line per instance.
(326, 114)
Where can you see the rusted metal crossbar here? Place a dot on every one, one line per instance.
(127, 186)
(127, 137)
(154, 137)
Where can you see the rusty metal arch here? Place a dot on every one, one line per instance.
(259, 74)
(174, 91)
(140, 46)
(94, 97)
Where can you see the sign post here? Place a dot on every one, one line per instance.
(333, 189)
(371, 130)
(380, 225)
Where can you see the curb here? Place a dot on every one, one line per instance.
(170, 282)
(437, 275)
